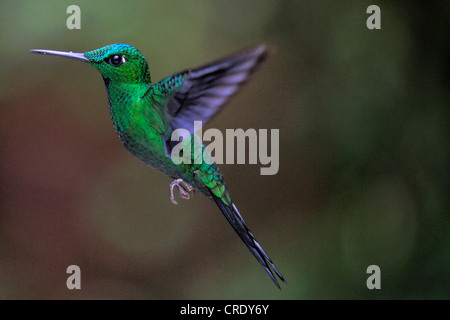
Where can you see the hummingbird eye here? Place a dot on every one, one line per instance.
(116, 60)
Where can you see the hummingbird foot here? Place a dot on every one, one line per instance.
(185, 190)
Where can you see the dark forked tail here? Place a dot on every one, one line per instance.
(234, 218)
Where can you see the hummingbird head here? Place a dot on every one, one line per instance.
(119, 63)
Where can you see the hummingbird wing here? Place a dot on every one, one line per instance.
(205, 90)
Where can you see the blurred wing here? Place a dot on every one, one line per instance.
(206, 89)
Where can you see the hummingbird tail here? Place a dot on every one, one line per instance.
(233, 216)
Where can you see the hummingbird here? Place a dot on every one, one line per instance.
(145, 114)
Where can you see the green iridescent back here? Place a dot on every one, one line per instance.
(139, 114)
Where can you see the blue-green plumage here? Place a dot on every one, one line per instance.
(145, 115)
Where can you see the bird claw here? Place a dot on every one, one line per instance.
(185, 190)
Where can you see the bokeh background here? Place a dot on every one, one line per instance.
(363, 180)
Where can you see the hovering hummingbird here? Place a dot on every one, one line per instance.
(145, 115)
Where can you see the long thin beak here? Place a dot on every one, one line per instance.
(72, 55)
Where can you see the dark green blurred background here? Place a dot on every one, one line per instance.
(363, 118)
